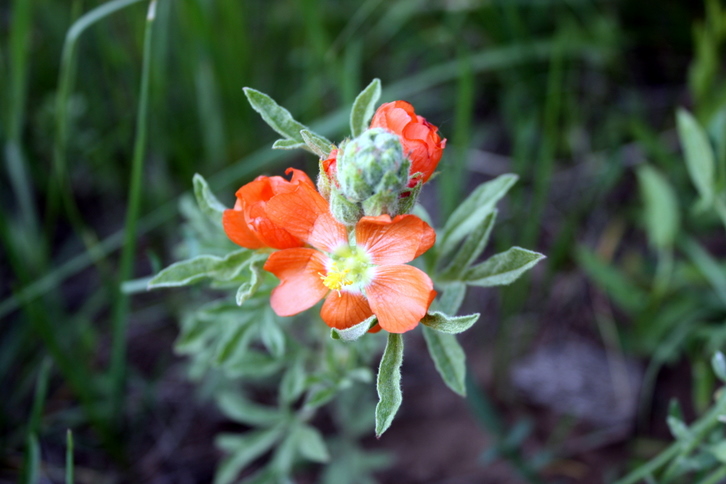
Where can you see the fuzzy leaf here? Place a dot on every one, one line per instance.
(208, 203)
(243, 411)
(354, 332)
(275, 115)
(311, 444)
(289, 144)
(662, 218)
(319, 145)
(503, 268)
(449, 359)
(449, 324)
(699, 155)
(363, 107)
(389, 383)
(249, 288)
(194, 270)
(470, 249)
(243, 449)
(472, 211)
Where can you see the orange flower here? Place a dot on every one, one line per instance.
(249, 225)
(360, 278)
(420, 139)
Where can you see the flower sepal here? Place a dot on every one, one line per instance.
(354, 332)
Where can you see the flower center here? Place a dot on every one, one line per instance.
(349, 267)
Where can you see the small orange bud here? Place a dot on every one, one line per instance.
(420, 139)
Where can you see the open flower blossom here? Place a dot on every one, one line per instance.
(249, 225)
(359, 275)
(420, 139)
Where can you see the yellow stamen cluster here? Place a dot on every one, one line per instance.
(336, 279)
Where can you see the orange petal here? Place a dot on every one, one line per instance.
(393, 241)
(268, 232)
(399, 296)
(305, 214)
(299, 176)
(300, 284)
(346, 310)
(236, 228)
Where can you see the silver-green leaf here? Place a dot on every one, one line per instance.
(503, 268)
(449, 324)
(389, 383)
(288, 144)
(354, 332)
(208, 203)
(363, 107)
(194, 270)
(449, 359)
(472, 212)
(699, 155)
(317, 144)
(470, 249)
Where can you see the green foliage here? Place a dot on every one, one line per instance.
(502, 269)
(698, 156)
(389, 383)
(448, 357)
(448, 324)
(363, 108)
(280, 119)
(661, 214)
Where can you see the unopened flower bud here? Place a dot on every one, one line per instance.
(373, 164)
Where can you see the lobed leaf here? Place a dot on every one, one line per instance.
(354, 332)
(662, 217)
(364, 107)
(317, 144)
(449, 359)
(699, 155)
(472, 211)
(293, 382)
(389, 383)
(449, 324)
(503, 268)
(207, 202)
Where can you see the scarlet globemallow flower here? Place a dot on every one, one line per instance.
(249, 225)
(420, 139)
(358, 276)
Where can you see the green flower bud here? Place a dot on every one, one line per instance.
(373, 164)
(344, 211)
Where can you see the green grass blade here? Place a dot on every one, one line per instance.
(69, 457)
(121, 304)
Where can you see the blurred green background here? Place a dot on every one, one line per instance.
(574, 96)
